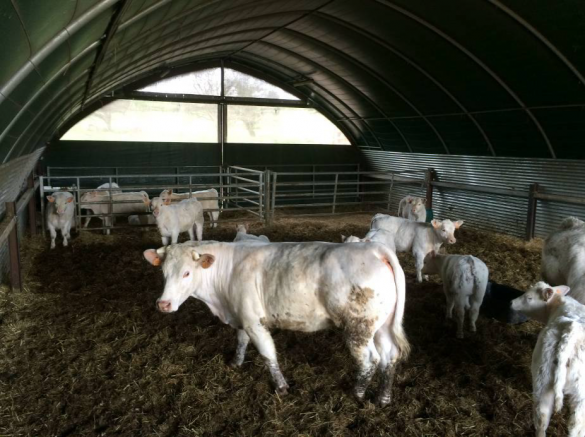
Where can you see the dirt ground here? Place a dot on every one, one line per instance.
(84, 352)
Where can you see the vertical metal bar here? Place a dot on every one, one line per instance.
(77, 197)
(116, 170)
(111, 207)
(390, 193)
(267, 197)
(15, 273)
(260, 195)
(531, 214)
(220, 200)
(49, 176)
(430, 176)
(177, 182)
(335, 192)
(32, 210)
(42, 198)
(273, 195)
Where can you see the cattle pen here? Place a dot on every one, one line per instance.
(303, 159)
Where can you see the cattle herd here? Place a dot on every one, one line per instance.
(254, 285)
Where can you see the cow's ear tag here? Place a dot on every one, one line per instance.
(206, 260)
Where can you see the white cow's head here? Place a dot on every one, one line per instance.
(157, 202)
(184, 270)
(166, 194)
(61, 200)
(445, 229)
(537, 300)
(418, 204)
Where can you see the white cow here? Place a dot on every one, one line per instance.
(172, 219)
(242, 235)
(465, 279)
(85, 197)
(418, 210)
(563, 257)
(352, 239)
(296, 286)
(207, 198)
(60, 213)
(403, 235)
(123, 203)
(558, 360)
(410, 208)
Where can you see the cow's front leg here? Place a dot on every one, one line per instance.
(265, 345)
(419, 262)
(243, 340)
(53, 233)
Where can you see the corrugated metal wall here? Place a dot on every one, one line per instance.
(485, 211)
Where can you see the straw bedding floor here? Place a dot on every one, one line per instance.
(84, 352)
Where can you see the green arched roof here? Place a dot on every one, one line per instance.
(472, 77)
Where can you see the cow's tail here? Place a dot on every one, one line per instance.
(570, 334)
(397, 330)
(400, 207)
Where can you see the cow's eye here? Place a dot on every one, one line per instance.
(186, 274)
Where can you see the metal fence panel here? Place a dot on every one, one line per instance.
(488, 211)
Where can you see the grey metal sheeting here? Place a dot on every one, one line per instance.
(486, 211)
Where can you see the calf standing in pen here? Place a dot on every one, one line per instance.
(60, 213)
(558, 360)
(465, 279)
(207, 198)
(412, 208)
(403, 235)
(122, 203)
(308, 287)
(242, 235)
(172, 219)
(563, 257)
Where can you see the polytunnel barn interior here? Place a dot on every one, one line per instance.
(308, 117)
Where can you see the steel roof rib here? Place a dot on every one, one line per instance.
(416, 66)
(472, 56)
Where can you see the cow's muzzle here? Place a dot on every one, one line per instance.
(164, 306)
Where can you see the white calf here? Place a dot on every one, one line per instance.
(297, 286)
(558, 360)
(418, 210)
(207, 198)
(242, 235)
(403, 235)
(60, 213)
(465, 279)
(172, 219)
(87, 195)
(563, 257)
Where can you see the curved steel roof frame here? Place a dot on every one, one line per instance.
(478, 61)
(417, 67)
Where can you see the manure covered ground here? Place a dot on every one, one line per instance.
(84, 352)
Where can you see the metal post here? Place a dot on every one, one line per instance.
(15, 274)
(77, 196)
(116, 169)
(49, 176)
(429, 178)
(531, 216)
(335, 192)
(111, 208)
(177, 182)
(32, 210)
(273, 196)
(220, 202)
(42, 198)
(260, 195)
(267, 177)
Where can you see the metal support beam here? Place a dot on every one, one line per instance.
(531, 215)
(110, 32)
(15, 273)
(430, 176)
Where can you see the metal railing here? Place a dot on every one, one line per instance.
(239, 189)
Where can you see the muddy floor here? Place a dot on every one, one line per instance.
(84, 352)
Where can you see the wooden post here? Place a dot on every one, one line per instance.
(531, 216)
(15, 274)
(32, 210)
(429, 178)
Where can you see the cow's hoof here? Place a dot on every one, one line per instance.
(235, 364)
(382, 401)
(282, 391)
